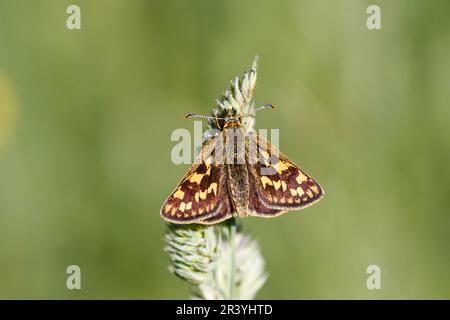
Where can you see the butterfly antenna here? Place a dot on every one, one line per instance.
(266, 106)
(195, 115)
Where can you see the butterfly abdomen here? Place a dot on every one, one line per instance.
(238, 187)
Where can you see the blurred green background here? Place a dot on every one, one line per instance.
(86, 117)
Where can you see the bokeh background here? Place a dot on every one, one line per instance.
(86, 117)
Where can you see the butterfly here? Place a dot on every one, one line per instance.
(238, 172)
(215, 189)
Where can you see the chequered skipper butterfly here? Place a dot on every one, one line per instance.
(252, 183)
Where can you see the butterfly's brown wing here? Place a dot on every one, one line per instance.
(225, 212)
(278, 186)
(201, 195)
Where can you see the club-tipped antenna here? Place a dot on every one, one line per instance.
(266, 106)
(195, 115)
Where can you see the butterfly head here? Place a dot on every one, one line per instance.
(227, 118)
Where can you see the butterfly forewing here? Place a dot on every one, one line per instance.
(284, 187)
(201, 194)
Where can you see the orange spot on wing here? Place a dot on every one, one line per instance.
(265, 181)
(301, 177)
(280, 166)
(178, 194)
(315, 189)
(196, 177)
(277, 184)
(213, 187)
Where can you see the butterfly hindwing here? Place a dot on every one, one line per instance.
(225, 212)
(279, 184)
